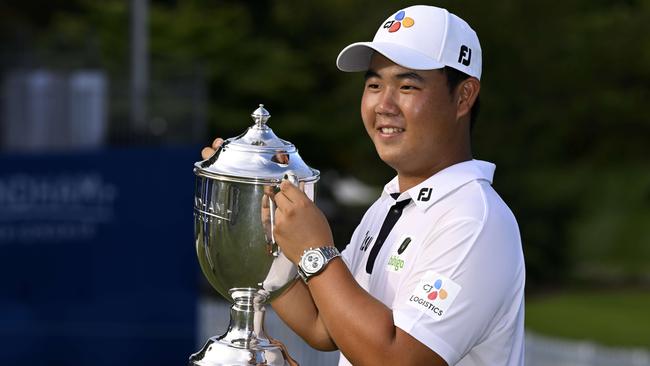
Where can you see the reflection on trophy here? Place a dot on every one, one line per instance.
(233, 227)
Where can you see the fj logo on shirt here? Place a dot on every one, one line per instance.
(425, 194)
(396, 261)
(434, 295)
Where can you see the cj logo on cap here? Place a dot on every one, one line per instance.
(400, 19)
(465, 56)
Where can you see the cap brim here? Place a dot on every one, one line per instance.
(356, 57)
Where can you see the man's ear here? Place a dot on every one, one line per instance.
(466, 94)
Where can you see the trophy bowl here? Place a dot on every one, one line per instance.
(234, 211)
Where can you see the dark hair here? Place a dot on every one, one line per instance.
(454, 77)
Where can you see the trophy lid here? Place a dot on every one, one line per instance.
(257, 154)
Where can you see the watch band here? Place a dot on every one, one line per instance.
(328, 253)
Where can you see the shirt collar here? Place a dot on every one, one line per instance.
(443, 182)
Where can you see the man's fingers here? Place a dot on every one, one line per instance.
(269, 191)
(207, 152)
(266, 200)
(217, 142)
(281, 201)
(293, 193)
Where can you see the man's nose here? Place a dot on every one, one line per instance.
(387, 103)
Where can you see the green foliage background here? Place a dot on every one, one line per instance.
(565, 90)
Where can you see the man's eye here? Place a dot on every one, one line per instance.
(372, 86)
(408, 87)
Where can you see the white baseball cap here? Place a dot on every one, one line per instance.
(419, 37)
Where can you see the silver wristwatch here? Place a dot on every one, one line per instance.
(314, 260)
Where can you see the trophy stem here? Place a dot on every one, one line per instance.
(246, 327)
(246, 341)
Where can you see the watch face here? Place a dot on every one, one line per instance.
(312, 261)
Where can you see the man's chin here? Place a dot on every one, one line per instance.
(389, 159)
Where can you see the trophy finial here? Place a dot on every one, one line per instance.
(260, 116)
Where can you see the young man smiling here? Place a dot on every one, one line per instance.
(434, 273)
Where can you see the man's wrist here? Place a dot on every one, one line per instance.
(314, 260)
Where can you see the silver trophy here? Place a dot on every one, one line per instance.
(233, 227)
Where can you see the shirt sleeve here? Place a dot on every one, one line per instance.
(451, 296)
(350, 253)
(350, 250)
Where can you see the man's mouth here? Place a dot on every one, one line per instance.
(390, 130)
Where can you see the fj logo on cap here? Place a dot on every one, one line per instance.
(400, 19)
(425, 194)
(434, 295)
(465, 56)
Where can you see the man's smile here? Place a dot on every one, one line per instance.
(390, 130)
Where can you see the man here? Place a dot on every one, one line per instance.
(434, 273)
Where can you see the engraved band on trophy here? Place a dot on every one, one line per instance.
(233, 229)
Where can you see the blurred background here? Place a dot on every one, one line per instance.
(104, 107)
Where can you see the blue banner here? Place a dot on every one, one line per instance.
(97, 261)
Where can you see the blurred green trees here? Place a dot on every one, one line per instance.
(564, 93)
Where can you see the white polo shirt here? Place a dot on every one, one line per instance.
(452, 267)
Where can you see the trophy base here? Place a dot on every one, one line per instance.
(218, 352)
(245, 342)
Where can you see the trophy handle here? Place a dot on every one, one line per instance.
(275, 248)
(291, 177)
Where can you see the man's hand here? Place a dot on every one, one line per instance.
(299, 224)
(209, 151)
(285, 352)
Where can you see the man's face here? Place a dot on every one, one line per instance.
(410, 117)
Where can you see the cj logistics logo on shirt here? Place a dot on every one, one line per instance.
(434, 295)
